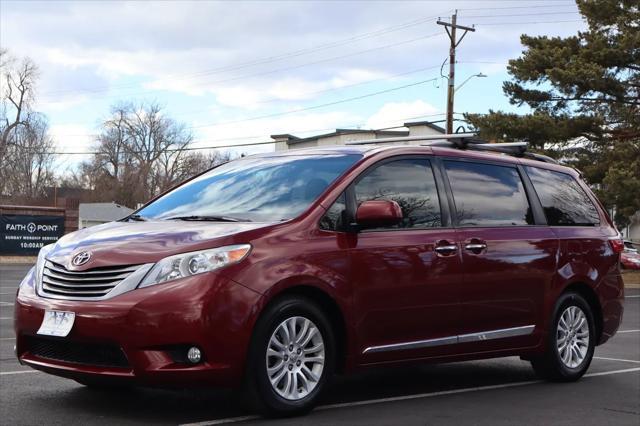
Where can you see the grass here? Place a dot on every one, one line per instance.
(631, 279)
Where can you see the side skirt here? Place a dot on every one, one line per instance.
(464, 338)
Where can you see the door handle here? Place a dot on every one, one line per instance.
(446, 249)
(476, 246)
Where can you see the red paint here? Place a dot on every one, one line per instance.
(630, 260)
(389, 286)
(378, 213)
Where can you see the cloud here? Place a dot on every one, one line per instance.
(71, 138)
(240, 57)
(301, 125)
(396, 113)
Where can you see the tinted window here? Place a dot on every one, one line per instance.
(565, 203)
(488, 195)
(333, 220)
(411, 184)
(254, 188)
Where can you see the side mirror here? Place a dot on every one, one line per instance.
(375, 213)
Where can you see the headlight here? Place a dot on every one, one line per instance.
(44, 251)
(194, 263)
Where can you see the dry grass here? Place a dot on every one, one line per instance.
(27, 260)
(631, 279)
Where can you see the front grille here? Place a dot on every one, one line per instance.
(93, 283)
(96, 354)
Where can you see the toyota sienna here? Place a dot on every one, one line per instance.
(274, 271)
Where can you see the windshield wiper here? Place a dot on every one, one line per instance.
(137, 218)
(209, 218)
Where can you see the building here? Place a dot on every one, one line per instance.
(632, 231)
(91, 214)
(341, 136)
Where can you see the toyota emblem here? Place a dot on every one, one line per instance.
(81, 258)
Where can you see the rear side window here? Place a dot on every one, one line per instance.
(408, 182)
(488, 195)
(565, 203)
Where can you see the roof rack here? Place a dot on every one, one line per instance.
(468, 141)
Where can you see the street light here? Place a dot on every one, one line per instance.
(469, 78)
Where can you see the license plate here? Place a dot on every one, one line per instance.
(57, 323)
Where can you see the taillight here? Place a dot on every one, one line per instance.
(617, 244)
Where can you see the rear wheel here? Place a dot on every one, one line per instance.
(571, 341)
(291, 358)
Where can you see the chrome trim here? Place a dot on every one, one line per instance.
(56, 268)
(475, 246)
(47, 280)
(496, 334)
(52, 273)
(448, 248)
(412, 345)
(464, 338)
(118, 285)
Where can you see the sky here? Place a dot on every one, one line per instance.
(236, 72)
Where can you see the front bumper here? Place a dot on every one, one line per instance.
(150, 326)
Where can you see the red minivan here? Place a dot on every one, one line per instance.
(274, 271)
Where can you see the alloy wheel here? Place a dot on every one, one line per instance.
(572, 336)
(295, 358)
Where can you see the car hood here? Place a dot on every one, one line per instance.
(128, 243)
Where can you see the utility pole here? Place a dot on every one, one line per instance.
(452, 62)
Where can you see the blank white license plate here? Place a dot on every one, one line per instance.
(57, 323)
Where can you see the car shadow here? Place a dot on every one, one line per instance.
(160, 406)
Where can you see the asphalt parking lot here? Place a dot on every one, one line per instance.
(494, 392)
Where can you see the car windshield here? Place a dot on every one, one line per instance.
(260, 189)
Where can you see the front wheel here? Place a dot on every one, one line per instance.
(291, 358)
(571, 341)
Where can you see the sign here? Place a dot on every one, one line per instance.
(25, 235)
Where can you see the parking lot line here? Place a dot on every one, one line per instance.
(229, 420)
(8, 373)
(6, 304)
(631, 297)
(6, 318)
(617, 359)
(7, 338)
(628, 331)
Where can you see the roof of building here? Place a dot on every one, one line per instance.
(103, 212)
(293, 140)
(426, 123)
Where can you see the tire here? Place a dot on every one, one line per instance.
(283, 398)
(572, 321)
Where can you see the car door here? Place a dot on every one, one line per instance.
(508, 254)
(405, 277)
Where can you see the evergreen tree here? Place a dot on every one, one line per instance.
(584, 95)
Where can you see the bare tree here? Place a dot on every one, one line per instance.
(141, 152)
(18, 86)
(29, 160)
(26, 160)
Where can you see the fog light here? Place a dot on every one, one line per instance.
(194, 355)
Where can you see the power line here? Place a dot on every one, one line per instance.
(248, 137)
(266, 60)
(341, 101)
(530, 6)
(278, 114)
(527, 22)
(522, 14)
(333, 89)
(306, 64)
